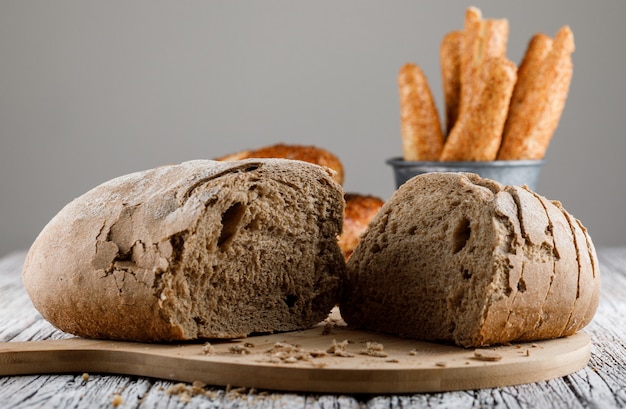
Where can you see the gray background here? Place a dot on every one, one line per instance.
(93, 90)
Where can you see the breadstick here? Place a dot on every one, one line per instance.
(477, 134)
(471, 27)
(538, 49)
(482, 39)
(532, 122)
(422, 139)
(450, 60)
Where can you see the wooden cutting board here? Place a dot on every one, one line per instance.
(329, 358)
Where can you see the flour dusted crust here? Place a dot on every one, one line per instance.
(203, 249)
(457, 258)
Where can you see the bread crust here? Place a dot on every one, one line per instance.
(306, 153)
(563, 287)
(203, 249)
(500, 322)
(537, 267)
(592, 282)
(588, 279)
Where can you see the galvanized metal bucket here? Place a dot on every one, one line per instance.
(507, 172)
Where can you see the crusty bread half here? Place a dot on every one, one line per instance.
(457, 258)
(203, 249)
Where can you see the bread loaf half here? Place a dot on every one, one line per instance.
(457, 258)
(203, 249)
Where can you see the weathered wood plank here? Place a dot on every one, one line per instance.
(601, 384)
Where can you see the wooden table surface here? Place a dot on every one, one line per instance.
(601, 384)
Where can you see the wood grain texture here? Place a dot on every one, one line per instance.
(602, 383)
(287, 362)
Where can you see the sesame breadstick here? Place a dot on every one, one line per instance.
(450, 60)
(538, 49)
(477, 134)
(532, 122)
(471, 27)
(422, 139)
(482, 39)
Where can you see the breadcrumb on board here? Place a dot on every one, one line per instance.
(374, 349)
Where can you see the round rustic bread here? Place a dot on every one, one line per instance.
(203, 249)
(306, 153)
(457, 258)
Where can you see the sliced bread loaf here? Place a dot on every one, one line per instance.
(457, 258)
(203, 249)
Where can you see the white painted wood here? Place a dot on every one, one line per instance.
(601, 384)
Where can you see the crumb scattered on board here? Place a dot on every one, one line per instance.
(374, 349)
(240, 349)
(288, 353)
(339, 349)
(208, 349)
(487, 355)
(284, 352)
